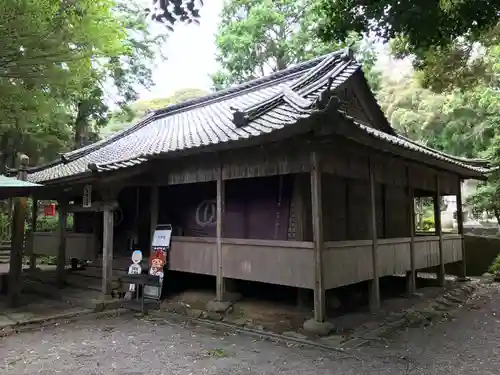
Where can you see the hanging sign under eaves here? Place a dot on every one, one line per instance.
(87, 196)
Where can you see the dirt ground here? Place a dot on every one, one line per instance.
(467, 344)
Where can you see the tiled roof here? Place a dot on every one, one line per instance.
(408, 144)
(209, 120)
(256, 108)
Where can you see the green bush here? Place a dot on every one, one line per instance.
(47, 224)
(51, 223)
(495, 266)
(428, 224)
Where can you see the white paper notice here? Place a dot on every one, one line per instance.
(161, 238)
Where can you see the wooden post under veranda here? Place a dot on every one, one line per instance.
(17, 239)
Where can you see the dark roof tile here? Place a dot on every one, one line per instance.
(249, 110)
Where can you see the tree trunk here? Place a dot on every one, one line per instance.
(497, 214)
(81, 126)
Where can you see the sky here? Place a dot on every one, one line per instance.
(190, 53)
(190, 56)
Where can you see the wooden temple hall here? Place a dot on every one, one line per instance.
(294, 179)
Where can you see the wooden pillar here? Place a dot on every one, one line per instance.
(17, 240)
(107, 253)
(219, 233)
(412, 274)
(317, 226)
(61, 252)
(154, 207)
(384, 211)
(375, 287)
(439, 230)
(34, 217)
(460, 226)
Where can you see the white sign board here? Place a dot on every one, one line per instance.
(161, 238)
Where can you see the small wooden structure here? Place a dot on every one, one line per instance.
(18, 189)
(293, 179)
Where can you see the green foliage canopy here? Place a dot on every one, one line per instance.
(257, 37)
(443, 37)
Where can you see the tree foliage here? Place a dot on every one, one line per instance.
(257, 37)
(116, 77)
(460, 122)
(47, 53)
(444, 37)
(61, 64)
(171, 12)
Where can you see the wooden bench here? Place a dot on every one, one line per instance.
(141, 281)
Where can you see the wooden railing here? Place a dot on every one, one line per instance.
(279, 262)
(78, 245)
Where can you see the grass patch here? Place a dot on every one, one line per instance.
(217, 352)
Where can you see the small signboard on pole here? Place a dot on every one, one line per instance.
(160, 246)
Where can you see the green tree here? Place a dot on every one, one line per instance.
(256, 37)
(121, 74)
(47, 53)
(461, 123)
(444, 37)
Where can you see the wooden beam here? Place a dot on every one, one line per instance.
(17, 240)
(34, 217)
(375, 287)
(318, 239)
(107, 256)
(460, 225)
(96, 207)
(107, 177)
(61, 251)
(439, 230)
(412, 275)
(220, 217)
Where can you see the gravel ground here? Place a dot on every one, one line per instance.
(129, 346)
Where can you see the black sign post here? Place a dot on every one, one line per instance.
(158, 259)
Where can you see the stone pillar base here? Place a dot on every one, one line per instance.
(411, 284)
(218, 306)
(318, 328)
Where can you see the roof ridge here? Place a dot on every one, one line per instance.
(302, 87)
(250, 85)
